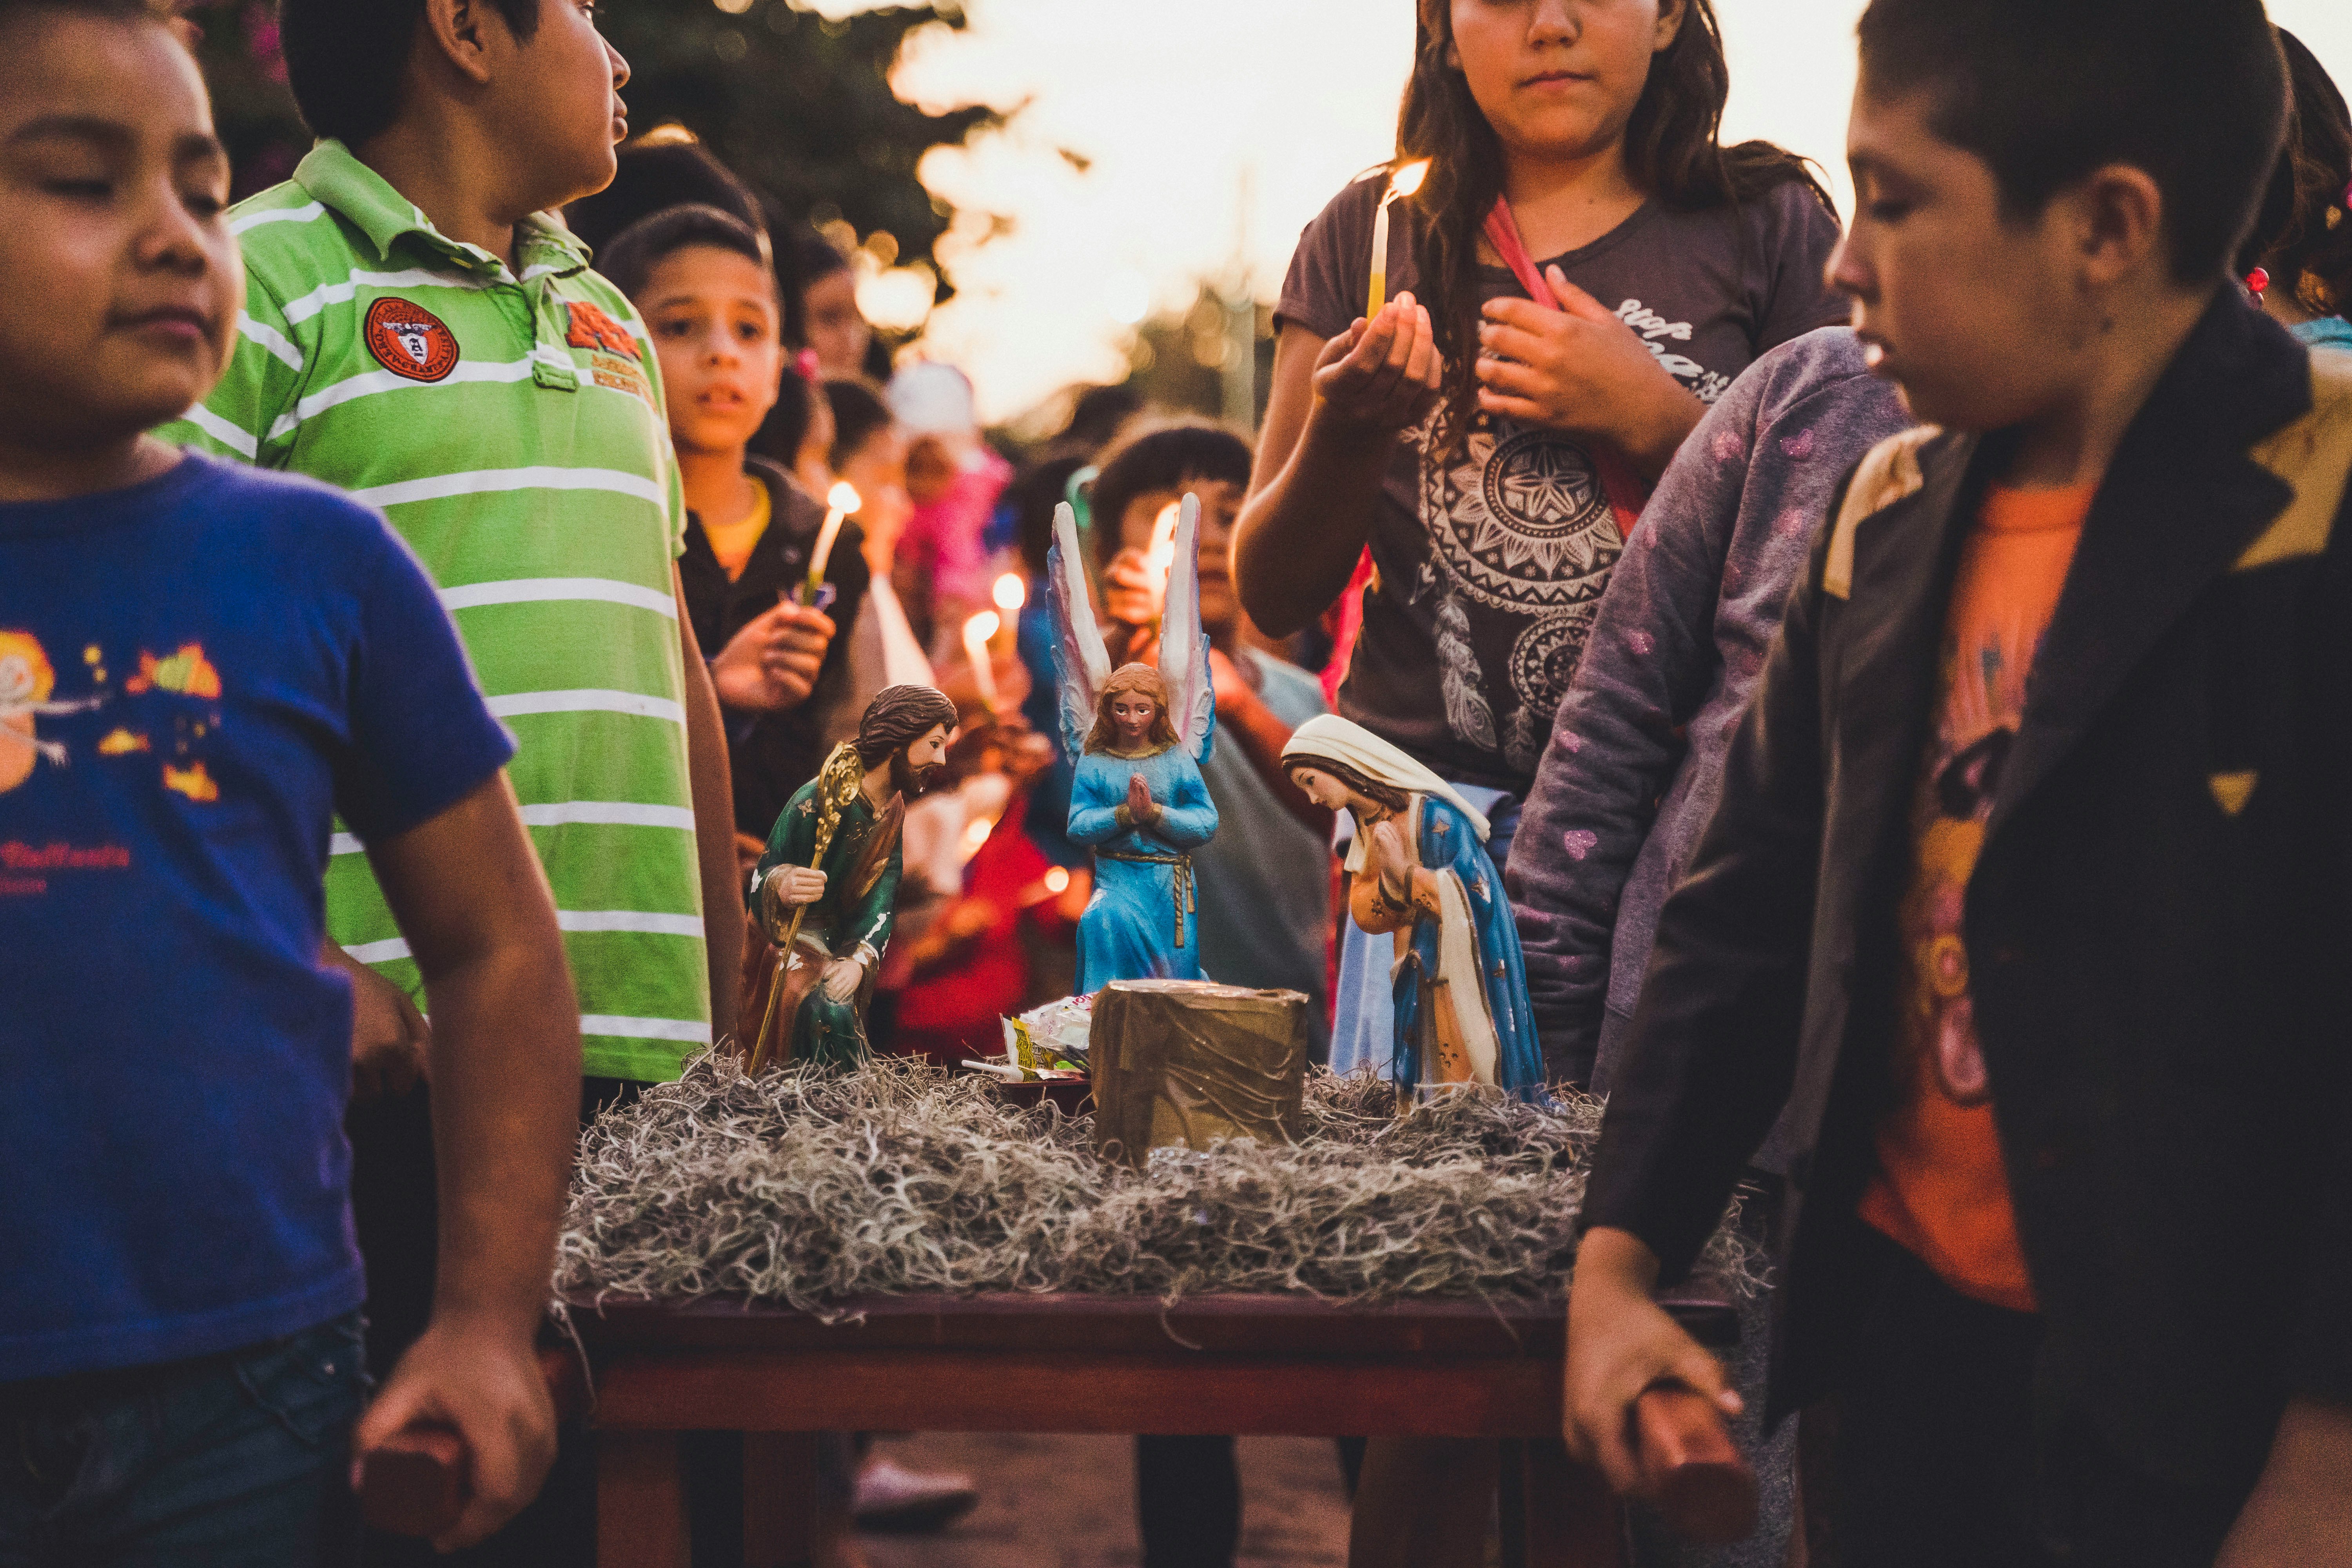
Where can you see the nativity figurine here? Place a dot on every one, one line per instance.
(1419, 871)
(824, 891)
(1139, 735)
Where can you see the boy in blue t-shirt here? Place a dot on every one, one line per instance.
(199, 667)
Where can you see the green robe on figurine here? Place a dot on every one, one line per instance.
(825, 891)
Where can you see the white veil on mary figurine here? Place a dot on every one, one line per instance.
(1138, 735)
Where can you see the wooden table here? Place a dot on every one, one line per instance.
(1242, 1365)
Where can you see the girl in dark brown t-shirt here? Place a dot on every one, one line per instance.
(1473, 438)
(1476, 481)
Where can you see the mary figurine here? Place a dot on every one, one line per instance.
(1140, 734)
(1419, 871)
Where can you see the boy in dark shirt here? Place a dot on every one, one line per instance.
(2027, 892)
(199, 667)
(709, 298)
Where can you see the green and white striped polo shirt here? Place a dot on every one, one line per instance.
(513, 429)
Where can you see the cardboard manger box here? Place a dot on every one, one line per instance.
(1183, 1063)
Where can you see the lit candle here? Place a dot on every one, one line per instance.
(1406, 180)
(977, 633)
(843, 499)
(1162, 558)
(1011, 593)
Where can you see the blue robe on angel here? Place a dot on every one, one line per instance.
(1140, 923)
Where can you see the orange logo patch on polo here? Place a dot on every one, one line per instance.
(593, 328)
(409, 340)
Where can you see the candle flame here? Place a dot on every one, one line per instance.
(1162, 558)
(844, 497)
(976, 633)
(1406, 180)
(1057, 880)
(1011, 593)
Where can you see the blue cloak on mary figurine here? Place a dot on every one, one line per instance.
(1140, 733)
(1419, 871)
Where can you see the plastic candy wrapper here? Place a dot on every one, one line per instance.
(1054, 1035)
(1047, 1042)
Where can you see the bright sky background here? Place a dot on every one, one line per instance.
(1214, 130)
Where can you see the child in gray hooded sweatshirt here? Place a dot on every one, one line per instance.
(1635, 758)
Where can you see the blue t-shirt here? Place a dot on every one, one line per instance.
(196, 673)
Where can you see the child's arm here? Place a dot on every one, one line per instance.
(2301, 1510)
(1712, 1053)
(1331, 427)
(1263, 733)
(469, 896)
(714, 825)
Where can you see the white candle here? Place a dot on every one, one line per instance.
(1406, 180)
(843, 499)
(977, 634)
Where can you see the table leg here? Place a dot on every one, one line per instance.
(1573, 1521)
(640, 1502)
(780, 1498)
(1511, 1504)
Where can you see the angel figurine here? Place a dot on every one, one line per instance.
(1419, 870)
(1140, 734)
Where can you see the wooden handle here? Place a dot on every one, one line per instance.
(417, 1483)
(1692, 1473)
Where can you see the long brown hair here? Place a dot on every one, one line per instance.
(1132, 677)
(1672, 153)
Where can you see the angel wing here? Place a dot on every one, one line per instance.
(1081, 663)
(1183, 646)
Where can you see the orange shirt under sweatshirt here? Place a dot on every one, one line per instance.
(1941, 1189)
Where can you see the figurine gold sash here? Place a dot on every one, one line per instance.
(1185, 903)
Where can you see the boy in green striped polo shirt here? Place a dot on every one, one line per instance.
(420, 332)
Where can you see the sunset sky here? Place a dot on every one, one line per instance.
(1211, 130)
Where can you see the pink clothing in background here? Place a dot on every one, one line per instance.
(943, 538)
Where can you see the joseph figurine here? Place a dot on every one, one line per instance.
(824, 891)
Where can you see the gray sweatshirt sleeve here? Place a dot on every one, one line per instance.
(1674, 648)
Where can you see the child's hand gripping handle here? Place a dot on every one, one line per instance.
(420, 1481)
(1692, 1473)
